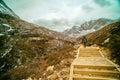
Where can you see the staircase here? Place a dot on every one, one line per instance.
(91, 65)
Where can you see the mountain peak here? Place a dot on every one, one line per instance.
(5, 9)
(87, 27)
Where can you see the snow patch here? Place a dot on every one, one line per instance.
(81, 33)
(7, 51)
(106, 41)
(9, 28)
(1, 34)
(2, 66)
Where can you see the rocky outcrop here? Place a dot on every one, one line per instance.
(87, 27)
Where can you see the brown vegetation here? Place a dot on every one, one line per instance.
(34, 48)
(108, 37)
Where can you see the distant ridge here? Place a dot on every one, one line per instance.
(87, 27)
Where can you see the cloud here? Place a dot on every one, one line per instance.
(69, 9)
(87, 8)
(102, 3)
(62, 14)
(75, 2)
(58, 24)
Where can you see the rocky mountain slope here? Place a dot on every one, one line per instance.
(26, 50)
(87, 27)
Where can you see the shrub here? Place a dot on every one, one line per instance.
(114, 45)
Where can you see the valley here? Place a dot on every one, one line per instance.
(32, 52)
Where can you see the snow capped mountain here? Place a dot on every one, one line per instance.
(58, 24)
(87, 27)
(5, 9)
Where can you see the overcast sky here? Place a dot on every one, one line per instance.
(65, 9)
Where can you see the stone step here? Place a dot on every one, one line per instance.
(97, 73)
(95, 66)
(91, 65)
(89, 53)
(90, 48)
(92, 69)
(75, 77)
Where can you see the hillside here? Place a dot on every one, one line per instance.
(108, 37)
(33, 52)
(24, 44)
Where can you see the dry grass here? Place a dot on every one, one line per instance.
(35, 55)
(36, 69)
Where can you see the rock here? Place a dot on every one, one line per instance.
(53, 77)
(29, 78)
(50, 68)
